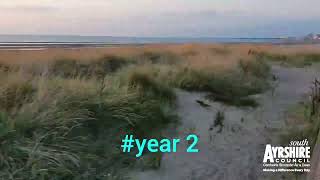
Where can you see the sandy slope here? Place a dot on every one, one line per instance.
(235, 153)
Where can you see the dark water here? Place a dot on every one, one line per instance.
(12, 41)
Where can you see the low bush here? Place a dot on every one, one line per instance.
(256, 68)
(230, 88)
(148, 86)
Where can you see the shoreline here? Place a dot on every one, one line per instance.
(50, 45)
(45, 46)
(11, 46)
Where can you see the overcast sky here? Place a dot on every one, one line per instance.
(227, 18)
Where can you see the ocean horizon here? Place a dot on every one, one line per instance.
(124, 39)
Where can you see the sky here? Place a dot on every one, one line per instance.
(161, 18)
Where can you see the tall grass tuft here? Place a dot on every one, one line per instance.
(231, 88)
(148, 86)
(63, 130)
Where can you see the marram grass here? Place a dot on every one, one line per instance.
(64, 119)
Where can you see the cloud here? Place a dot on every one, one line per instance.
(29, 8)
(160, 18)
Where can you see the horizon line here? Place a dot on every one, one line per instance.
(160, 37)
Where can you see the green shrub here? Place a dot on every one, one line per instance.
(257, 68)
(147, 86)
(230, 88)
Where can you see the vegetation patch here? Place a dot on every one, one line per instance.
(302, 125)
(153, 57)
(70, 68)
(233, 88)
(295, 60)
(64, 119)
(61, 128)
(148, 86)
(221, 51)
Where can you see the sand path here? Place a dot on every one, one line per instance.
(236, 152)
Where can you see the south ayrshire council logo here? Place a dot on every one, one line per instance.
(292, 158)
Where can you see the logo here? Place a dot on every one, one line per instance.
(293, 158)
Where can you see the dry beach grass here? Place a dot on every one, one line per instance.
(63, 111)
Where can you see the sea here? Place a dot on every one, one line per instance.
(72, 41)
